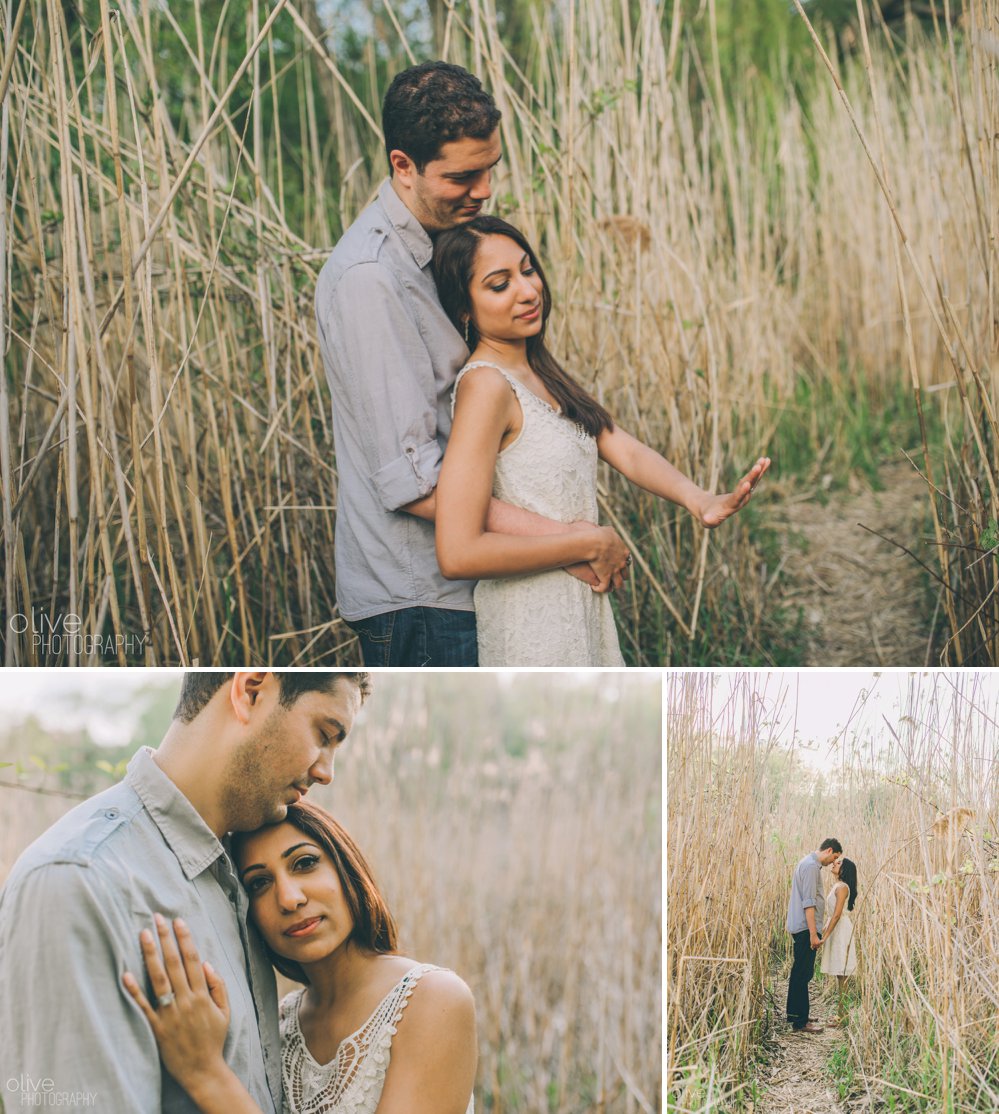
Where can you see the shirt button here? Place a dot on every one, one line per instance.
(111, 814)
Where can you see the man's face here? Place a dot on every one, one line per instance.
(453, 187)
(828, 856)
(291, 750)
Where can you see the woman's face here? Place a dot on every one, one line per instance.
(296, 898)
(505, 291)
(836, 866)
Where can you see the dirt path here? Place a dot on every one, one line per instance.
(797, 1080)
(864, 601)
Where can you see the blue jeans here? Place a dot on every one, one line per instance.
(801, 975)
(418, 636)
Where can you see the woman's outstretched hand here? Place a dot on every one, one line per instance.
(191, 1017)
(714, 509)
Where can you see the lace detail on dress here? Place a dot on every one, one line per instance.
(352, 1082)
(839, 952)
(547, 618)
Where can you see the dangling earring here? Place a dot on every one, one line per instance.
(466, 331)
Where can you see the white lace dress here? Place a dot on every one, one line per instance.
(547, 618)
(352, 1082)
(839, 952)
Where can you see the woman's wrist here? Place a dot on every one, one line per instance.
(210, 1086)
(695, 500)
(600, 544)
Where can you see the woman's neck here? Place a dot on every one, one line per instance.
(511, 354)
(337, 975)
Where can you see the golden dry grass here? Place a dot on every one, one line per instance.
(167, 465)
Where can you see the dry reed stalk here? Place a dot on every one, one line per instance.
(748, 271)
(968, 338)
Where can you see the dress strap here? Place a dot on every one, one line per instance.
(288, 1006)
(387, 1016)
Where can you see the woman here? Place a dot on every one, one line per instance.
(372, 1031)
(527, 434)
(839, 953)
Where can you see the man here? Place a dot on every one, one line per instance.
(240, 749)
(391, 356)
(805, 919)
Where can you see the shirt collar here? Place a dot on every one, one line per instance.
(187, 835)
(413, 234)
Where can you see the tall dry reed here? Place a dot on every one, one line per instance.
(741, 812)
(927, 119)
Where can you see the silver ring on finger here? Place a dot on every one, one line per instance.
(165, 1000)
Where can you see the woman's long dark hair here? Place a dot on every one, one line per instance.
(454, 261)
(848, 874)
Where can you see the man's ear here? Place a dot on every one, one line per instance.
(403, 167)
(245, 692)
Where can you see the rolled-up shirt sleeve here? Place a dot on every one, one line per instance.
(67, 1025)
(810, 885)
(386, 382)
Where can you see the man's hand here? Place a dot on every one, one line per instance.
(585, 572)
(816, 940)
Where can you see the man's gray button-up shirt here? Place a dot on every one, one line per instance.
(806, 892)
(391, 356)
(70, 916)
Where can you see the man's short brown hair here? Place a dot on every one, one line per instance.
(199, 687)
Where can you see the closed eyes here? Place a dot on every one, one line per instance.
(502, 286)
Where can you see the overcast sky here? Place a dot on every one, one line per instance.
(815, 706)
(43, 692)
(806, 705)
(106, 710)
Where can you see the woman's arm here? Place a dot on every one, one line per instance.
(842, 889)
(466, 548)
(190, 1030)
(432, 1069)
(649, 469)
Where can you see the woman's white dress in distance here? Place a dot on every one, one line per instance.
(352, 1082)
(547, 618)
(839, 952)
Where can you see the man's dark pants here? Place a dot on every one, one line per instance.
(418, 636)
(801, 975)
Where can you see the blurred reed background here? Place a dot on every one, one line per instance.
(514, 823)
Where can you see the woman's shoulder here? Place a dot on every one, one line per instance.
(433, 1043)
(436, 996)
(481, 376)
(442, 984)
(437, 983)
